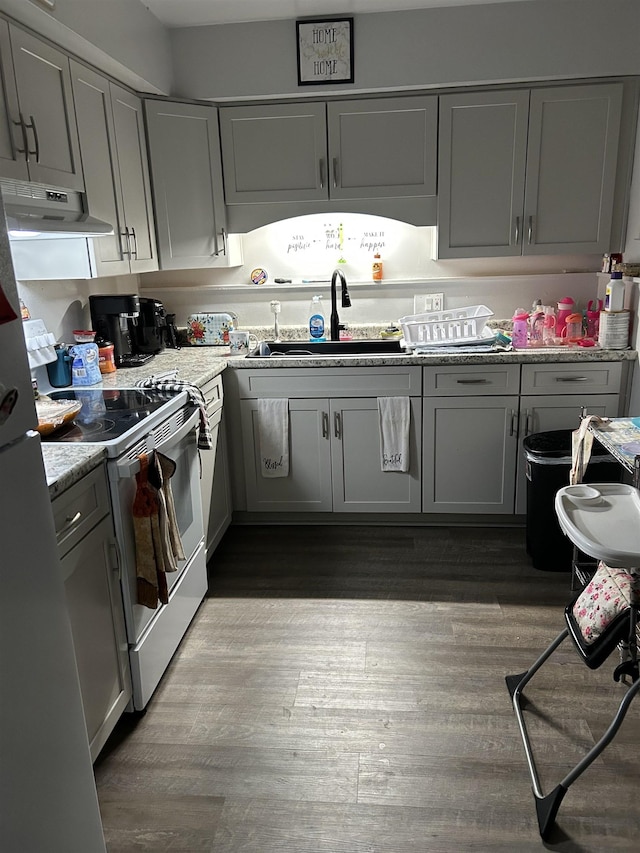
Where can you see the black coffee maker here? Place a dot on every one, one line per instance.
(115, 318)
(151, 331)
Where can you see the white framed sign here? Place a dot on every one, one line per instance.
(325, 51)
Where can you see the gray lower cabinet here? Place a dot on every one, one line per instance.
(214, 472)
(525, 172)
(476, 418)
(38, 133)
(469, 454)
(86, 542)
(334, 450)
(334, 440)
(553, 397)
(186, 172)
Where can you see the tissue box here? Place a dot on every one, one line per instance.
(209, 329)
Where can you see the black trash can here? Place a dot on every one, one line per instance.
(548, 460)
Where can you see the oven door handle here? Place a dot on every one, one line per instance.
(127, 468)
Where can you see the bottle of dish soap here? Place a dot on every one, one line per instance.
(316, 320)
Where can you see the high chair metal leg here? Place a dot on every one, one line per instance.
(547, 805)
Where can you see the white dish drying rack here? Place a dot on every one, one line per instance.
(458, 326)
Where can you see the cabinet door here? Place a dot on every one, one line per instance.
(383, 147)
(99, 638)
(13, 164)
(469, 454)
(307, 488)
(482, 145)
(219, 507)
(274, 153)
(571, 167)
(133, 169)
(542, 414)
(100, 165)
(184, 150)
(43, 82)
(359, 484)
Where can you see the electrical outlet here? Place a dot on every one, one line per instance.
(424, 302)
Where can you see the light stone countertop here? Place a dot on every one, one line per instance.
(65, 464)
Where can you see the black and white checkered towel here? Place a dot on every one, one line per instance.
(205, 441)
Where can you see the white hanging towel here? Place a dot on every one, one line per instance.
(581, 444)
(395, 417)
(273, 433)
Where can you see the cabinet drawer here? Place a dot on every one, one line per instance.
(80, 508)
(213, 395)
(594, 378)
(330, 382)
(471, 380)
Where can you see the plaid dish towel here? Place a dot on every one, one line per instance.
(158, 383)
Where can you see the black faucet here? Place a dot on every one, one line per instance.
(346, 302)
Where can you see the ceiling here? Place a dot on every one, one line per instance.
(191, 13)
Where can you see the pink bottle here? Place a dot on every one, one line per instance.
(519, 336)
(566, 306)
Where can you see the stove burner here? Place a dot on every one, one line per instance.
(94, 427)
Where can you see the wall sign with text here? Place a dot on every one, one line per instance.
(325, 51)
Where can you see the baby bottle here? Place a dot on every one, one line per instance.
(549, 326)
(566, 306)
(519, 337)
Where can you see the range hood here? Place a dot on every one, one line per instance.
(36, 210)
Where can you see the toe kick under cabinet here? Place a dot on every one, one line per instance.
(334, 440)
(476, 417)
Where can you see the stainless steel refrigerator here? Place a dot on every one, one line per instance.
(48, 797)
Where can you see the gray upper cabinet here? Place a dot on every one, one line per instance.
(186, 177)
(362, 149)
(38, 133)
(383, 147)
(276, 152)
(133, 167)
(113, 144)
(100, 165)
(527, 172)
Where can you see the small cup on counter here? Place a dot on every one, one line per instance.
(240, 341)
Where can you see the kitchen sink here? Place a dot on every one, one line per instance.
(309, 349)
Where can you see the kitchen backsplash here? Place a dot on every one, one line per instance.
(312, 247)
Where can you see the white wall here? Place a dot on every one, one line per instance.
(119, 36)
(632, 254)
(422, 48)
(307, 248)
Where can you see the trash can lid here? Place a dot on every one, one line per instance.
(556, 445)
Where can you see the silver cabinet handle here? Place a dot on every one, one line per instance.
(135, 241)
(472, 381)
(25, 142)
(513, 428)
(69, 522)
(325, 425)
(337, 425)
(336, 171)
(36, 141)
(528, 422)
(127, 237)
(223, 233)
(321, 170)
(517, 240)
(530, 231)
(572, 378)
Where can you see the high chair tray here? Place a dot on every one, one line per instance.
(602, 520)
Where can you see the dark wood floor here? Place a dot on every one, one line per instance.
(341, 690)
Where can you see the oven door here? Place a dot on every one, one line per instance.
(182, 448)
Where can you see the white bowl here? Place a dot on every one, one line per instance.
(583, 494)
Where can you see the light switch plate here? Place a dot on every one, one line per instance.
(423, 302)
